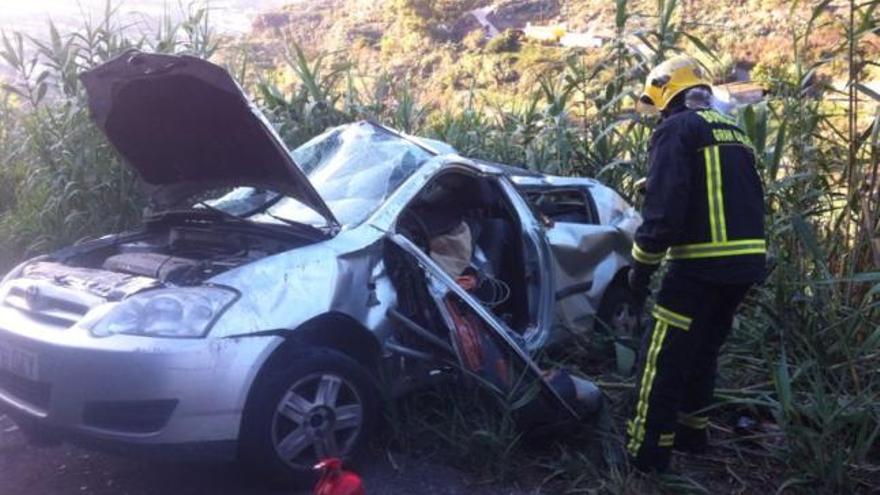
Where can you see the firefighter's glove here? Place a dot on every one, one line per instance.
(639, 280)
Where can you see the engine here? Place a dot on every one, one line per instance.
(188, 255)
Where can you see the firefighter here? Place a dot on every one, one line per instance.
(703, 212)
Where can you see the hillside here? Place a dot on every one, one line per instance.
(444, 47)
(798, 390)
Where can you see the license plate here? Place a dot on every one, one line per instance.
(18, 361)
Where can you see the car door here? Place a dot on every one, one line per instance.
(540, 274)
(585, 251)
(484, 345)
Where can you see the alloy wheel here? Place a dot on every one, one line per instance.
(320, 416)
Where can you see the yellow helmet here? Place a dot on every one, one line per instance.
(669, 79)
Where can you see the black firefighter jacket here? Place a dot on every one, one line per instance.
(704, 203)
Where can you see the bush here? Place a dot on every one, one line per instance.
(507, 41)
(805, 353)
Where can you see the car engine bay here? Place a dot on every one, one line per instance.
(188, 255)
(177, 252)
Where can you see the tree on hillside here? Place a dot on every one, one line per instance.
(451, 10)
(410, 23)
(414, 15)
(424, 15)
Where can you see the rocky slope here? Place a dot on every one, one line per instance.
(748, 29)
(441, 43)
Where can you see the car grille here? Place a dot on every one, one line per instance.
(44, 301)
(33, 393)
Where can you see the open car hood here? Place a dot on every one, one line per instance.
(186, 126)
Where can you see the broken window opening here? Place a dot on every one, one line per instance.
(568, 205)
(467, 226)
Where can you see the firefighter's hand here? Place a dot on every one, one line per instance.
(639, 279)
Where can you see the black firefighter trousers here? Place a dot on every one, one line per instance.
(677, 366)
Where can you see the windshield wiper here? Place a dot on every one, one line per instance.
(303, 228)
(263, 207)
(298, 225)
(283, 220)
(224, 214)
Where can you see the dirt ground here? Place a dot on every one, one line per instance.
(65, 469)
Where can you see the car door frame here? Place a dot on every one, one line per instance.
(532, 231)
(535, 338)
(440, 284)
(602, 248)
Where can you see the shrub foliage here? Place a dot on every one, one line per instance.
(806, 351)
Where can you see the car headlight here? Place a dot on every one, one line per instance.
(9, 277)
(182, 312)
(15, 272)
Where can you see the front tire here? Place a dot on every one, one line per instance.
(320, 404)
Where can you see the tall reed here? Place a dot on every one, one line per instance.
(806, 349)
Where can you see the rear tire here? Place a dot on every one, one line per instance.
(320, 404)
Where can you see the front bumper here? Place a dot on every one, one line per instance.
(137, 393)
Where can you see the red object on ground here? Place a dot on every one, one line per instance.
(335, 481)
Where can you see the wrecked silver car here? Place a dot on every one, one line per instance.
(251, 313)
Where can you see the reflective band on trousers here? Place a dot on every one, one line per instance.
(645, 257)
(637, 426)
(718, 249)
(714, 190)
(666, 440)
(671, 317)
(695, 422)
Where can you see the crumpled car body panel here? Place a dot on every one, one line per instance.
(280, 294)
(591, 254)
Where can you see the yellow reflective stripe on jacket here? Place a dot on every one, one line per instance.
(636, 428)
(671, 317)
(715, 192)
(715, 117)
(645, 257)
(718, 249)
(666, 440)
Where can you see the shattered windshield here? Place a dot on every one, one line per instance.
(354, 168)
